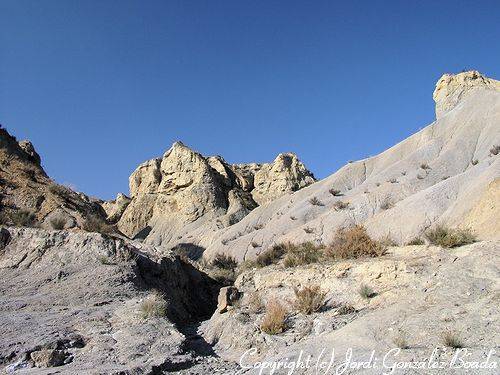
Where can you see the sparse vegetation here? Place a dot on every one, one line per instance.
(153, 306)
(224, 262)
(340, 205)
(495, 150)
(335, 192)
(417, 241)
(255, 304)
(449, 238)
(400, 340)
(22, 218)
(103, 259)
(308, 230)
(393, 181)
(377, 184)
(58, 189)
(254, 244)
(302, 254)
(445, 178)
(274, 320)
(420, 177)
(315, 202)
(258, 226)
(451, 340)
(58, 223)
(366, 292)
(345, 309)
(386, 204)
(293, 218)
(309, 299)
(425, 166)
(96, 225)
(272, 255)
(354, 242)
(403, 173)
(474, 162)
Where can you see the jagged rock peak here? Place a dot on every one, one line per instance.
(452, 88)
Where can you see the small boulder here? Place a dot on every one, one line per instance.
(48, 358)
(227, 296)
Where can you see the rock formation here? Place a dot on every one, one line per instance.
(184, 188)
(453, 88)
(28, 194)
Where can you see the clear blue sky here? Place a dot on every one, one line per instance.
(100, 86)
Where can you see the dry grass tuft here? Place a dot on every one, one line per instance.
(339, 205)
(315, 202)
(224, 262)
(345, 309)
(309, 299)
(425, 166)
(274, 320)
(354, 242)
(366, 292)
(272, 255)
(58, 223)
(153, 306)
(96, 225)
(305, 253)
(22, 218)
(416, 242)
(400, 340)
(451, 340)
(449, 238)
(335, 192)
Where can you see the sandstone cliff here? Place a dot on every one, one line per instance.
(184, 191)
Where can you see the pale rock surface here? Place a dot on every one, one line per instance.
(115, 208)
(421, 292)
(73, 300)
(453, 88)
(444, 173)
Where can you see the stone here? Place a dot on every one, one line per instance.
(29, 149)
(227, 296)
(48, 358)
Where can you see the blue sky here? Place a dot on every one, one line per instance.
(100, 86)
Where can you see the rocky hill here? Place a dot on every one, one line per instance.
(447, 173)
(29, 197)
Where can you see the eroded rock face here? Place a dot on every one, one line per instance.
(452, 88)
(76, 300)
(114, 209)
(183, 187)
(25, 187)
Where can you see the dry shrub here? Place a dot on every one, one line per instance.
(451, 340)
(335, 192)
(400, 340)
(474, 162)
(416, 242)
(153, 306)
(305, 253)
(308, 230)
(339, 205)
(274, 320)
(258, 226)
(255, 304)
(449, 238)
(315, 202)
(425, 166)
(224, 262)
(96, 225)
(22, 218)
(495, 150)
(366, 291)
(58, 189)
(386, 204)
(309, 299)
(272, 255)
(345, 309)
(354, 242)
(58, 223)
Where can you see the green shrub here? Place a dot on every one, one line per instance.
(22, 218)
(272, 255)
(449, 238)
(58, 223)
(96, 225)
(315, 202)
